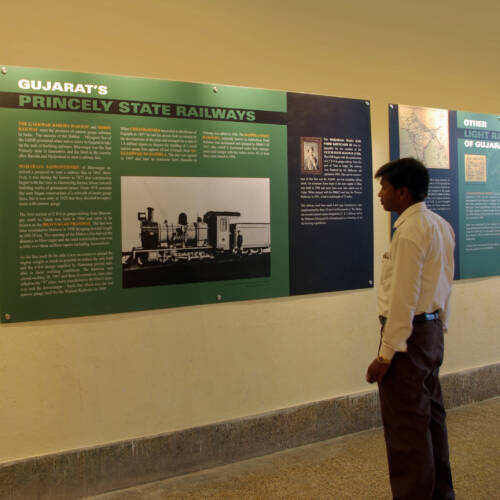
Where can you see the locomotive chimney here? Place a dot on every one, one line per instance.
(150, 214)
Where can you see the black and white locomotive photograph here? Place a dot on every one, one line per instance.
(194, 229)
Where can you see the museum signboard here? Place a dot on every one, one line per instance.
(122, 194)
(462, 153)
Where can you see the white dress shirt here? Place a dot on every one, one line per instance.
(417, 273)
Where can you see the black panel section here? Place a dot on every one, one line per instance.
(393, 132)
(446, 177)
(335, 253)
(452, 215)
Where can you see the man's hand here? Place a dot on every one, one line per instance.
(376, 371)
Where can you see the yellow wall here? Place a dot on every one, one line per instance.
(87, 381)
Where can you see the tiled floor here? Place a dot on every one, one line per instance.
(349, 467)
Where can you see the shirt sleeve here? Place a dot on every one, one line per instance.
(408, 263)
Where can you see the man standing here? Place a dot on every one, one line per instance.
(413, 303)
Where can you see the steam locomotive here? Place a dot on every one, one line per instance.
(216, 235)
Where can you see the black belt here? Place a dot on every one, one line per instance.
(416, 319)
(426, 317)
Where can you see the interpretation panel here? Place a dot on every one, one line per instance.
(121, 194)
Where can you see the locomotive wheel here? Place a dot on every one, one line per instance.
(127, 261)
(142, 259)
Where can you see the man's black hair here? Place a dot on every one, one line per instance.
(406, 172)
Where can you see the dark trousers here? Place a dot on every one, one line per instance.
(415, 419)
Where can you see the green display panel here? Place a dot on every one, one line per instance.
(478, 148)
(121, 194)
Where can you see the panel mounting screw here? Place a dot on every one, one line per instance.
(367, 103)
(219, 297)
(215, 89)
(7, 316)
(4, 70)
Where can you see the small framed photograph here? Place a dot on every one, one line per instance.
(311, 156)
(475, 168)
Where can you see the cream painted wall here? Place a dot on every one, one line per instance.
(87, 381)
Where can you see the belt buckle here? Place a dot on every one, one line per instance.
(431, 316)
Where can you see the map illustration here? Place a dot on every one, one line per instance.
(423, 134)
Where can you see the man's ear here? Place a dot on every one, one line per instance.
(403, 193)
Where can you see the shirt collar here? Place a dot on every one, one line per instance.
(412, 209)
